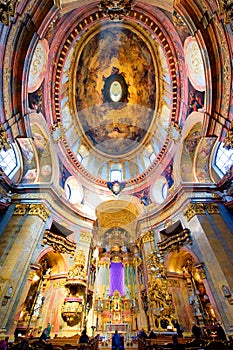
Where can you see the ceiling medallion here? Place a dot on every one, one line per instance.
(116, 187)
(116, 9)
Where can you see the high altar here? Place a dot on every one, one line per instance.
(115, 302)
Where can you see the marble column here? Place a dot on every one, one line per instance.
(17, 244)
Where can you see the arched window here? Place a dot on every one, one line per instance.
(8, 161)
(223, 159)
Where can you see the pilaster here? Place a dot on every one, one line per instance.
(213, 238)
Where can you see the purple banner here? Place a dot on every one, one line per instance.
(116, 278)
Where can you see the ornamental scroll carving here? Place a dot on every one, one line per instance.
(176, 241)
(39, 210)
(7, 9)
(226, 10)
(78, 270)
(32, 209)
(116, 9)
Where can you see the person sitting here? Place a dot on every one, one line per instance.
(84, 339)
(176, 344)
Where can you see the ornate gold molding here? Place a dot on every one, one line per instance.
(226, 10)
(148, 237)
(59, 243)
(7, 9)
(229, 137)
(116, 9)
(4, 142)
(21, 209)
(176, 241)
(201, 270)
(200, 209)
(212, 208)
(194, 209)
(39, 210)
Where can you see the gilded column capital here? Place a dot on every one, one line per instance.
(21, 209)
(194, 209)
(148, 237)
(103, 264)
(200, 209)
(212, 208)
(39, 210)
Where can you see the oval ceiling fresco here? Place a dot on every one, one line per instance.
(115, 90)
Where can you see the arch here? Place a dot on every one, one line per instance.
(56, 261)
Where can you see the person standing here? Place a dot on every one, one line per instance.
(196, 331)
(220, 332)
(178, 329)
(84, 339)
(116, 341)
(49, 330)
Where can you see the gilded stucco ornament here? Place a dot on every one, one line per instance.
(85, 236)
(21, 209)
(194, 209)
(228, 142)
(116, 9)
(148, 236)
(226, 10)
(7, 10)
(200, 209)
(74, 303)
(175, 242)
(39, 210)
(160, 298)
(59, 243)
(4, 142)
